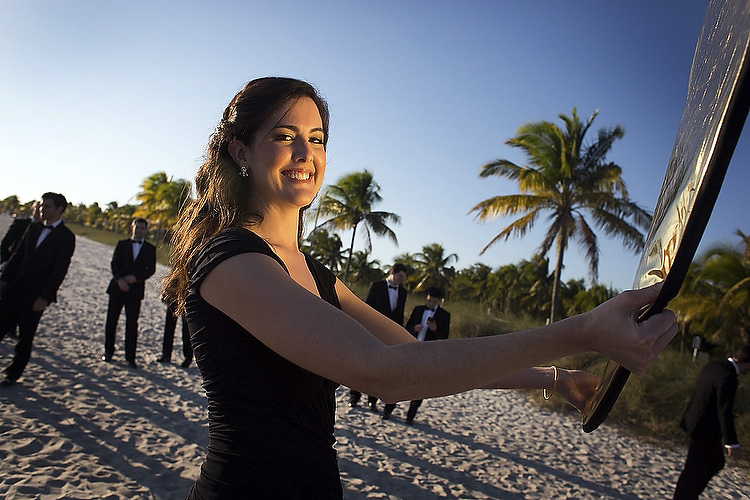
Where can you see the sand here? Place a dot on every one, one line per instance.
(75, 427)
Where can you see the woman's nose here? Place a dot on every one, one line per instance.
(302, 152)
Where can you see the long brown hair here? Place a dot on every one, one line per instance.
(223, 196)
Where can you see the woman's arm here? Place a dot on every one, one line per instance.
(388, 331)
(322, 339)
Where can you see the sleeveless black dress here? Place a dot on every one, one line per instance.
(270, 421)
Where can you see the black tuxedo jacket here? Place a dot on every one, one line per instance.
(12, 238)
(38, 272)
(711, 409)
(123, 264)
(442, 322)
(378, 299)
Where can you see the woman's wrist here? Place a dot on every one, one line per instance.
(554, 373)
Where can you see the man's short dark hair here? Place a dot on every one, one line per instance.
(57, 199)
(742, 354)
(434, 291)
(140, 220)
(397, 268)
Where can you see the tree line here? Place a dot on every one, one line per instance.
(565, 178)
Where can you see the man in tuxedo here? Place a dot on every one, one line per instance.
(31, 278)
(388, 297)
(8, 246)
(426, 323)
(709, 420)
(133, 262)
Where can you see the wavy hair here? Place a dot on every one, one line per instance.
(223, 196)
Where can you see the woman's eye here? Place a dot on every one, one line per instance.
(316, 140)
(284, 137)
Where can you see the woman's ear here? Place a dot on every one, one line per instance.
(238, 152)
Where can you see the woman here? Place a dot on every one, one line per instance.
(274, 332)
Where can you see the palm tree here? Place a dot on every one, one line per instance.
(161, 199)
(326, 248)
(474, 283)
(350, 203)
(363, 270)
(433, 268)
(567, 179)
(715, 296)
(523, 288)
(118, 218)
(582, 299)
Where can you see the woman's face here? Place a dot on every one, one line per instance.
(287, 158)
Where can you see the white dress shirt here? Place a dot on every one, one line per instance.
(428, 313)
(45, 231)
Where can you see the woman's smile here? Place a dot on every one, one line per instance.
(298, 175)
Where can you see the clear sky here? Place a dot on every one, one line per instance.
(96, 96)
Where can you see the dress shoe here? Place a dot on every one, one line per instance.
(106, 358)
(352, 404)
(8, 382)
(131, 364)
(386, 416)
(374, 407)
(164, 360)
(185, 364)
(409, 421)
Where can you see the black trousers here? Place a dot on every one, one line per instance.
(354, 397)
(410, 414)
(705, 459)
(132, 310)
(16, 307)
(170, 325)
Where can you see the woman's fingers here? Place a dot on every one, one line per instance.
(653, 335)
(633, 345)
(577, 387)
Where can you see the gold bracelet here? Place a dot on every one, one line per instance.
(546, 394)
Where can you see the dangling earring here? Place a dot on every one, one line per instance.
(243, 171)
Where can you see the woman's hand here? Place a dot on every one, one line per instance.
(617, 334)
(576, 386)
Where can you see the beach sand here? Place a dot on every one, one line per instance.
(75, 427)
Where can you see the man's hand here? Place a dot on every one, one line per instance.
(431, 324)
(122, 284)
(39, 305)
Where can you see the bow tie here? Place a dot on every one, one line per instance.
(393, 287)
(140, 242)
(427, 308)
(48, 226)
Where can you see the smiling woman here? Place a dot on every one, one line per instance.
(286, 156)
(274, 332)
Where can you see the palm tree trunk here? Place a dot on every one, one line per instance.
(556, 284)
(349, 260)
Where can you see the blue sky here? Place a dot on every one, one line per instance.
(96, 96)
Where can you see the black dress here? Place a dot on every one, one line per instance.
(270, 421)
